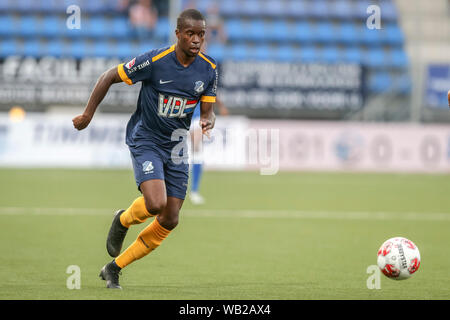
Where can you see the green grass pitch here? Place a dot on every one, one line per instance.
(287, 236)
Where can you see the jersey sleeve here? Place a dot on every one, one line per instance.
(211, 89)
(135, 70)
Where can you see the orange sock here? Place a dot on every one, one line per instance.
(148, 240)
(135, 214)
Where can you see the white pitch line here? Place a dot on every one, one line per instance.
(229, 213)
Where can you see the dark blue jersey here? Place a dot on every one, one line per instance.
(168, 95)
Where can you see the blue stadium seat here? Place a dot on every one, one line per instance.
(370, 37)
(51, 26)
(352, 55)
(234, 29)
(238, 52)
(9, 47)
(330, 54)
(103, 49)
(262, 52)
(388, 10)
(380, 82)
(360, 9)
(78, 49)
(403, 84)
(95, 27)
(33, 48)
(347, 33)
(398, 59)
(297, 9)
(251, 8)
(50, 6)
(324, 32)
(273, 8)
(278, 31)
(216, 50)
(255, 31)
(163, 29)
(341, 9)
(303, 32)
(93, 7)
(5, 6)
(28, 26)
(319, 9)
(120, 28)
(124, 49)
(284, 53)
(308, 54)
(375, 58)
(229, 8)
(7, 26)
(392, 35)
(54, 48)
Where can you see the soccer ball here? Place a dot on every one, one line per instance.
(398, 258)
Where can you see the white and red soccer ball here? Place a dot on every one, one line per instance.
(398, 258)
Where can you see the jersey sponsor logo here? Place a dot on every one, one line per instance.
(147, 167)
(199, 87)
(130, 64)
(174, 107)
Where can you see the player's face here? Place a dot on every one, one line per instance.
(191, 36)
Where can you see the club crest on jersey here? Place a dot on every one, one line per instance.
(129, 64)
(199, 87)
(174, 107)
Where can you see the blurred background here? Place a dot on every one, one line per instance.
(377, 61)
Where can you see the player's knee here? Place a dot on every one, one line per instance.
(155, 206)
(169, 221)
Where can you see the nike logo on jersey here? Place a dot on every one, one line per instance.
(164, 82)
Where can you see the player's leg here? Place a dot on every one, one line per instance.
(148, 168)
(196, 165)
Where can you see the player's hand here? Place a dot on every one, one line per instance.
(207, 125)
(82, 121)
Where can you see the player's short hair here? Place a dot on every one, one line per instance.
(189, 14)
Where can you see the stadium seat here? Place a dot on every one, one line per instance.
(392, 35)
(284, 53)
(238, 52)
(360, 9)
(7, 26)
(347, 33)
(318, 9)
(398, 59)
(262, 52)
(103, 49)
(250, 8)
(163, 29)
(255, 31)
(303, 32)
(28, 26)
(375, 58)
(308, 54)
(234, 29)
(370, 37)
(330, 54)
(380, 82)
(93, 7)
(33, 48)
(120, 28)
(78, 49)
(324, 33)
(296, 9)
(54, 48)
(278, 31)
(124, 50)
(352, 55)
(388, 10)
(341, 9)
(273, 9)
(51, 26)
(9, 47)
(217, 51)
(229, 8)
(403, 84)
(95, 27)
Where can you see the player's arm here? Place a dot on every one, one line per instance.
(102, 86)
(207, 117)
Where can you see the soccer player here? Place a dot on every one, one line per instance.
(197, 162)
(173, 80)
